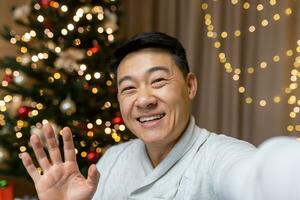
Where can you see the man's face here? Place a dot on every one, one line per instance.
(154, 96)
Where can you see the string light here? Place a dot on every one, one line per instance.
(217, 44)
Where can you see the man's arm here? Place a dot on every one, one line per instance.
(271, 173)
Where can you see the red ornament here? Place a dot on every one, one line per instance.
(92, 156)
(95, 49)
(23, 111)
(44, 3)
(117, 120)
(8, 78)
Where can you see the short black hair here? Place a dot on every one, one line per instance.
(152, 40)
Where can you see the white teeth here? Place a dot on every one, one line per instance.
(150, 118)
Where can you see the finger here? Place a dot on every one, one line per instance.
(39, 152)
(69, 150)
(30, 168)
(52, 144)
(93, 176)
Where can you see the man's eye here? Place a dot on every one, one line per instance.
(158, 83)
(127, 89)
(158, 80)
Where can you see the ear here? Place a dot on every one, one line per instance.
(191, 81)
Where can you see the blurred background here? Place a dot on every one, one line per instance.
(54, 58)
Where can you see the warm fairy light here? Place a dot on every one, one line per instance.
(83, 67)
(259, 7)
(37, 6)
(276, 58)
(264, 22)
(64, 8)
(277, 99)
(292, 114)
(242, 89)
(57, 75)
(90, 134)
(64, 31)
(109, 83)
(23, 49)
(76, 18)
(237, 33)
(107, 104)
(224, 34)
(252, 28)
(122, 127)
(262, 103)
(235, 77)
(246, 5)
(23, 149)
(7, 98)
(39, 106)
(13, 41)
(94, 90)
(296, 109)
(234, 2)
(217, 44)
(57, 49)
(89, 16)
(100, 16)
(54, 4)
(70, 27)
(204, 6)
(98, 121)
(89, 126)
(272, 2)
(263, 65)
(80, 12)
(40, 18)
(88, 77)
(248, 100)
(83, 154)
(290, 128)
(34, 58)
(107, 130)
(98, 149)
(292, 99)
(108, 123)
(276, 17)
(97, 75)
(288, 11)
(250, 70)
(110, 38)
(100, 30)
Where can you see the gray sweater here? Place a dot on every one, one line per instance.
(202, 166)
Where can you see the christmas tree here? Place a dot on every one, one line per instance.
(60, 76)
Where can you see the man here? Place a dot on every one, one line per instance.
(172, 157)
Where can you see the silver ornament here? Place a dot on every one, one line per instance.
(68, 106)
(4, 156)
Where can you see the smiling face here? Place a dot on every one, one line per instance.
(154, 96)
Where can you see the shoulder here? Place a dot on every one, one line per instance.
(114, 153)
(222, 147)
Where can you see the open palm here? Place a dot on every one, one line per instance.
(60, 180)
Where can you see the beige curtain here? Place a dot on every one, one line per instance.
(260, 46)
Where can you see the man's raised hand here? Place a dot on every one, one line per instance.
(60, 179)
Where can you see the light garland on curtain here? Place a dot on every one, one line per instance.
(216, 38)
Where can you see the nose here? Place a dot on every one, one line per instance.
(146, 99)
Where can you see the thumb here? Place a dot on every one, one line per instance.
(93, 176)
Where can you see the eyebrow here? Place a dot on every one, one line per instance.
(149, 71)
